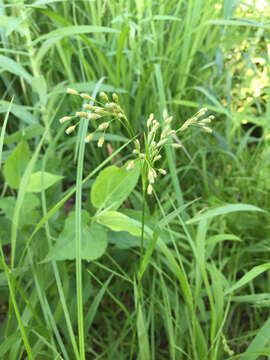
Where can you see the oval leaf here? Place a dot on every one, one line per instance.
(16, 164)
(117, 221)
(94, 240)
(113, 185)
(41, 181)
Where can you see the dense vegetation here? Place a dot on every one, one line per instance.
(95, 264)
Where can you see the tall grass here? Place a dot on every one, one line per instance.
(204, 276)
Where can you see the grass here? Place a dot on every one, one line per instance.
(197, 287)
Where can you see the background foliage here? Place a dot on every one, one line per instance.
(205, 271)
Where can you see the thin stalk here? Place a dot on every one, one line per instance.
(78, 233)
(15, 307)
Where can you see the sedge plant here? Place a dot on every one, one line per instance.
(147, 152)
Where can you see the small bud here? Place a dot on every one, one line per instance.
(149, 189)
(161, 142)
(100, 141)
(93, 116)
(120, 115)
(149, 121)
(112, 107)
(165, 132)
(82, 114)
(100, 110)
(89, 107)
(65, 119)
(211, 117)
(104, 96)
(207, 129)
(169, 120)
(158, 157)
(89, 138)
(165, 114)
(155, 126)
(201, 112)
(162, 171)
(86, 97)
(135, 151)
(72, 91)
(115, 97)
(151, 175)
(142, 156)
(70, 129)
(103, 126)
(130, 165)
(137, 144)
(176, 146)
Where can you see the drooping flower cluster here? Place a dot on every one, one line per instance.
(155, 140)
(95, 112)
(193, 121)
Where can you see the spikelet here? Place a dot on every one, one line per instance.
(70, 129)
(103, 96)
(89, 138)
(100, 141)
(103, 126)
(72, 91)
(65, 119)
(149, 189)
(130, 165)
(86, 97)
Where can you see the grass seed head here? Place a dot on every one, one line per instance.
(176, 146)
(130, 165)
(101, 141)
(89, 107)
(149, 189)
(103, 126)
(115, 97)
(162, 171)
(87, 97)
(65, 119)
(93, 116)
(72, 91)
(103, 96)
(89, 138)
(82, 114)
(70, 129)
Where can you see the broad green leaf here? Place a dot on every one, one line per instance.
(94, 240)
(113, 185)
(16, 165)
(226, 209)
(117, 221)
(30, 214)
(75, 30)
(7, 64)
(41, 181)
(249, 276)
(123, 239)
